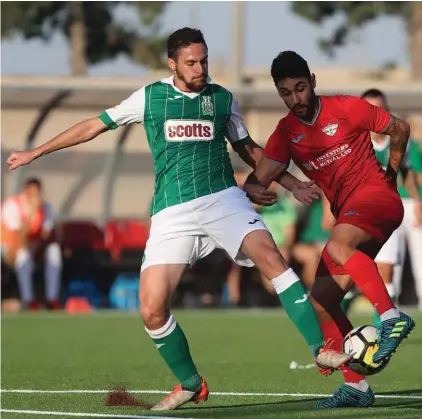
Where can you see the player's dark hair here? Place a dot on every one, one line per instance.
(183, 38)
(289, 64)
(375, 94)
(33, 181)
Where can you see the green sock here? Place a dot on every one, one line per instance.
(173, 347)
(295, 301)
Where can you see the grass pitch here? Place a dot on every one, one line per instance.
(70, 363)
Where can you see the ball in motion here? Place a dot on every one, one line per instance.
(361, 342)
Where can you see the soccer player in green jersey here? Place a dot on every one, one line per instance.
(197, 206)
(390, 259)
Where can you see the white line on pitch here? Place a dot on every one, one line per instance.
(215, 393)
(79, 414)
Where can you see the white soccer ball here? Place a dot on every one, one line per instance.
(361, 342)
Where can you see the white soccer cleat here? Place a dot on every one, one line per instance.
(329, 359)
(179, 397)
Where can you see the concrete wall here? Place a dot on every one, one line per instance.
(74, 178)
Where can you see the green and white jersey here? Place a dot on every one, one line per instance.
(382, 153)
(186, 133)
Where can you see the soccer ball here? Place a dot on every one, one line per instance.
(361, 342)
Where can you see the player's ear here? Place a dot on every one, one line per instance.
(313, 80)
(172, 64)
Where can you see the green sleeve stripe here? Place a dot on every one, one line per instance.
(105, 117)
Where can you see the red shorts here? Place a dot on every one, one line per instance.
(376, 210)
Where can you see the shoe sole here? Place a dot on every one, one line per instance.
(397, 347)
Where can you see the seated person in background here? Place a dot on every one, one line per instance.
(26, 226)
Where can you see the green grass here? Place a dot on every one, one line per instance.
(237, 351)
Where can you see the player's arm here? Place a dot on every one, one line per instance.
(399, 132)
(80, 133)
(129, 111)
(367, 117)
(273, 167)
(251, 152)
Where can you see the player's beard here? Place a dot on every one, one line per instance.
(196, 85)
(310, 108)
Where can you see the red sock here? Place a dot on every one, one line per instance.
(331, 331)
(365, 275)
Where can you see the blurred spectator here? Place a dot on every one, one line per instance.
(26, 227)
(318, 221)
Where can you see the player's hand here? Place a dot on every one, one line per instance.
(306, 192)
(20, 158)
(258, 194)
(418, 214)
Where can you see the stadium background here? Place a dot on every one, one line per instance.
(111, 178)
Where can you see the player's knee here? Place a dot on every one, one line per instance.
(339, 252)
(53, 255)
(270, 260)
(153, 315)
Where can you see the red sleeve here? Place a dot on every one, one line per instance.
(367, 117)
(277, 147)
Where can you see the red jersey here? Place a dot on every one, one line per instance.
(335, 149)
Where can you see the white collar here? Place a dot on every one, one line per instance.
(192, 95)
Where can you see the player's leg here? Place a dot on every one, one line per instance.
(386, 259)
(52, 274)
(173, 243)
(327, 293)
(236, 227)
(368, 226)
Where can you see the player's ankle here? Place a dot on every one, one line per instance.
(392, 313)
(193, 383)
(362, 385)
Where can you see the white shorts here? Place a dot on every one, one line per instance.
(390, 252)
(190, 231)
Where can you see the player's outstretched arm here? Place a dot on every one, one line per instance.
(80, 133)
(265, 173)
(399, 132)
(251, 153)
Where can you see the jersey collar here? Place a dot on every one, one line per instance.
(192, 95)
(316, 115)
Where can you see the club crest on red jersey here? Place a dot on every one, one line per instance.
(330, 129)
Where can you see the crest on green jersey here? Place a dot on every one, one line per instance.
(207, 108)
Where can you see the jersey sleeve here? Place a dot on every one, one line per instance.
(367, 117)
(130, 111)
(277, 147)
(236, 129)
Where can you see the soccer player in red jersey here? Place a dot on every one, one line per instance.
(328, 137)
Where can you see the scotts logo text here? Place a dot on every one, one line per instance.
(188, 130)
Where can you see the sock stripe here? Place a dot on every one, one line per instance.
(164, 331)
